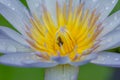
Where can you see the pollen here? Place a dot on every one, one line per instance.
(74, 34)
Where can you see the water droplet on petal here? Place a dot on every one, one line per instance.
(13, 8)
(94, 0)
(9, 4)
(116, 59)
(113, 1)
(107, 8)
(108, 56)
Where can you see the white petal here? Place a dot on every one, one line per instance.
(14, 35)
(115, 46)
(9, 45)
(42, 64)
(90, 4)
(35, 7)
(117, 28)
(3, 36)
(104, 7)
(25, 60)
(110, 23)
(107, 59)
(87, 59)
(109, 40)
(18, 19)
(15, 5)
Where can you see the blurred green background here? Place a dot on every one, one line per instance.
(87, 72)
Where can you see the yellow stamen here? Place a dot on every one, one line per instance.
(74, 35)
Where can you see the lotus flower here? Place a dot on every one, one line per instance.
(60, 35)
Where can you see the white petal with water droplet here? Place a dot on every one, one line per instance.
(104, 7)
(107, 59)
(19, 19)
(85, 60)
(8, 45)
(14, 35)
(25, 60)
(110, 23)
(109, 40)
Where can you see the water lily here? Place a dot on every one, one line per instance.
(60, 35)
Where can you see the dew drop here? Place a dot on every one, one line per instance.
(116, 59)
(13, 8)
(107, 8)
(94, 0)
(108, 56)
(9, 4)
(113, 1)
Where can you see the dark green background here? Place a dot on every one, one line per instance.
(87, 72)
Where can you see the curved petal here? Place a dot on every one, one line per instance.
(25, 60)
(9, 45)
(42, 64)
(104, 7)
(14, 35)
(116, 45)
(18, 19)
(107, 59)
(15, 4)
(110, 23)
(3, 36)
(109, 41)
(89, 4)
(35, 7)
(118, 28)
(86, 60)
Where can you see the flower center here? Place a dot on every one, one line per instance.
(65, 41)
(74, 34)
